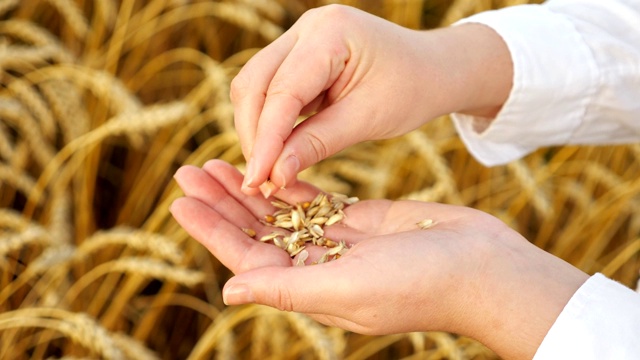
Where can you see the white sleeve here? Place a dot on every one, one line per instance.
(576, 78)
(600, 321)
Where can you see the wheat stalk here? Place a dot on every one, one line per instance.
(315, 336)
(21, 181)
(73, 15)
(50, 260)
(12, 220)
(66, 105)
(23, 59)
(26, 31)
(143, 121)
(272, 9)
(429, 153)
(531, 188)
(77, 326)
(133, 349)
(14, 114)
(140, 266)
(33, 234)
(156, 244)
(237, 14)
(8, 5)
(226, 321)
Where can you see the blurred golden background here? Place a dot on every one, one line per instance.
(102, 100)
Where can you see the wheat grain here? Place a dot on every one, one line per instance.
(250, 232)
(304, 223)
(426, 224)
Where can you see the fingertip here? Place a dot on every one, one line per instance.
(176, 208)
(285, 171)
(237, 294)
(250, 174)
(250, 191)
(213, 164)
(182, 172)
(172, 207)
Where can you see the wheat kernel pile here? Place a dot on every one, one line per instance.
(303, 223)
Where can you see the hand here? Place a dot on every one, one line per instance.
(363, 78)
(469, 274)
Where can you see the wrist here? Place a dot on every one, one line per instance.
(525, 290)
(478, 68)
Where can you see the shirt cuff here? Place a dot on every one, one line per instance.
(547, 102)
(600, 321)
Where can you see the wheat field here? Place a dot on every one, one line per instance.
(102, 100)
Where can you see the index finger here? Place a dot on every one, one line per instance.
(249, 88)
(309, 69)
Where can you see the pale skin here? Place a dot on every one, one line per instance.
(368, 79)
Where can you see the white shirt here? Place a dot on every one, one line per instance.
(576, 81)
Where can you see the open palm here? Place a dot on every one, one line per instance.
(386, 244)
(395, 277)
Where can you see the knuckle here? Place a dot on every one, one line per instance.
(239, 86)
(282, 89)
(330, 17)
(318, 146)
(283, 299)
(332, 12)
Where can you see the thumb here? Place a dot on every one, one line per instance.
(306, 289)
(320, 136)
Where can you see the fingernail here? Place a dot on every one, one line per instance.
(290, 167)
(237, 294)
(249, 174)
